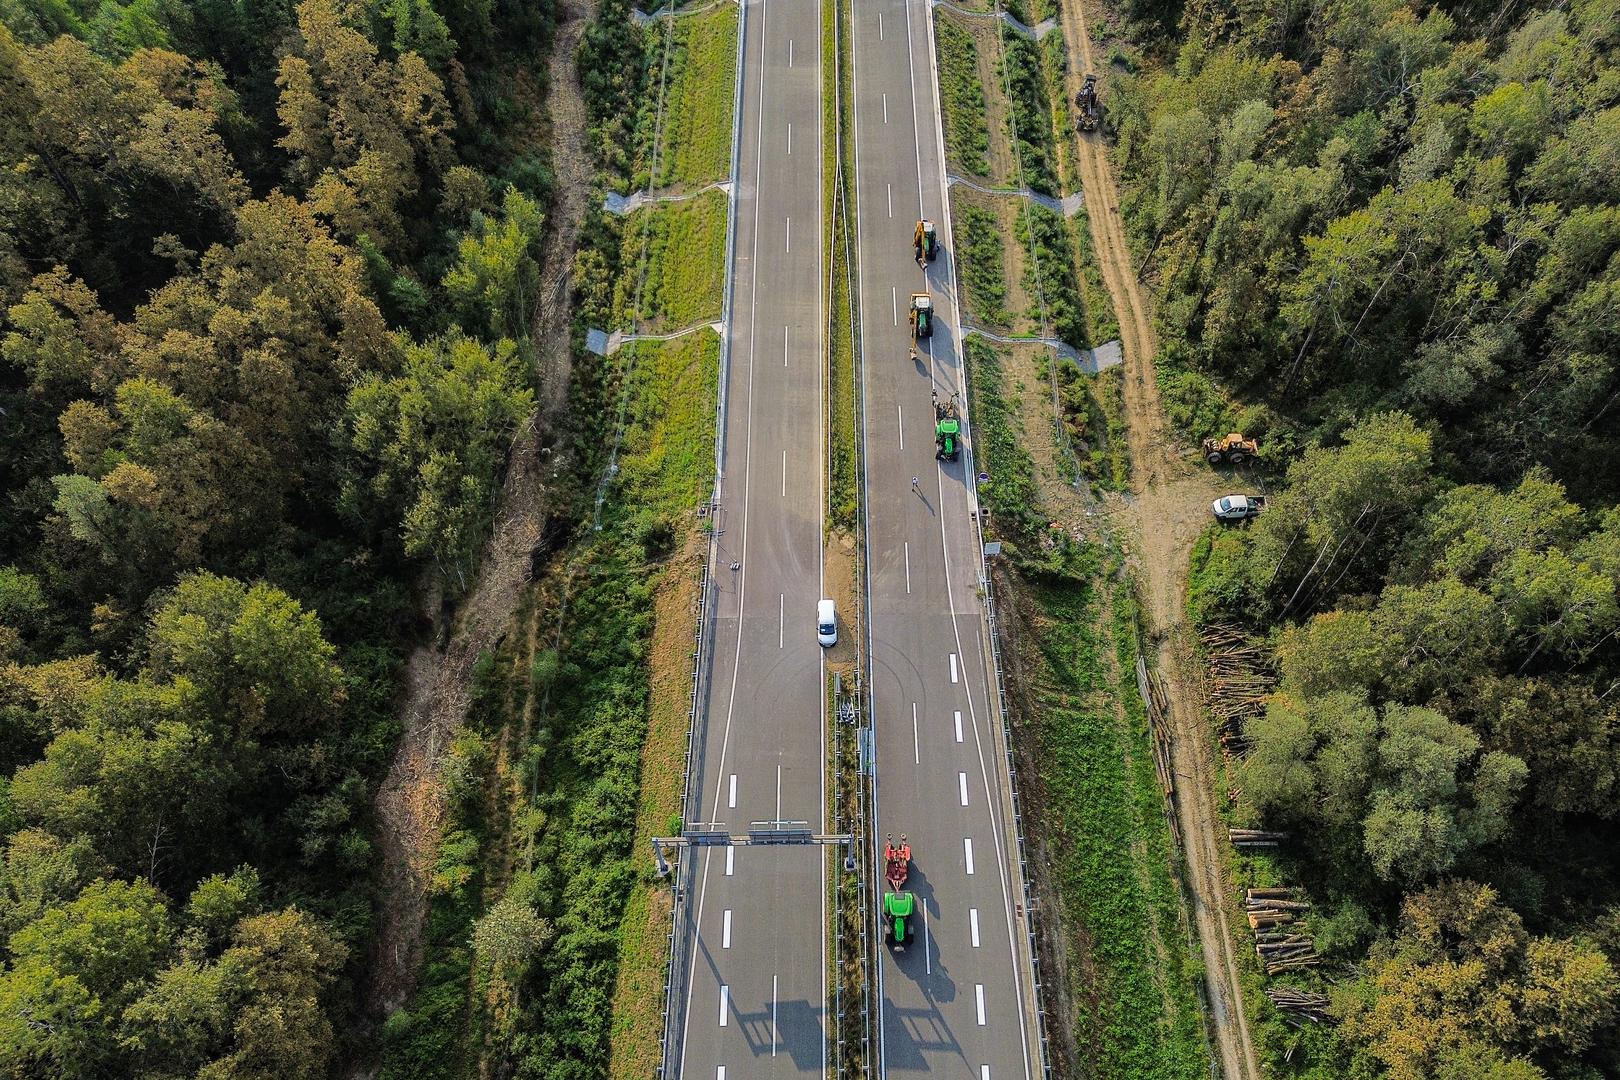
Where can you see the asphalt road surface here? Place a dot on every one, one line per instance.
(959, 1002)
(754, 997)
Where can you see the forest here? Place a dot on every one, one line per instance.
(1384, 238)
(267, 273)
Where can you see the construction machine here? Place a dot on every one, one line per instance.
(1234, 449)
(947, 429)
(1086, 101)
(924, 241)
(898, 905)
(922, 315)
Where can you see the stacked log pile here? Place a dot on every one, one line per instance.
(1255, 837)
(1299, 1007)
(1238, 680)
(1157, 702)
(1279, 950)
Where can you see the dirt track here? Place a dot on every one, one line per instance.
(1172, 491)
(409, 803)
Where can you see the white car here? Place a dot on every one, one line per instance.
(826, 624)
(1238, 507)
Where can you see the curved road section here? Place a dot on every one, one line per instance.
(752, 997)
(960, 1002)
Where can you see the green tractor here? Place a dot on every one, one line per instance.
(922, 315)
(898, 905)
(898, 909)
(947, 429)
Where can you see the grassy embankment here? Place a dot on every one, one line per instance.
(574, 749)
(1083, 749)
(967, 129)
(839, 199)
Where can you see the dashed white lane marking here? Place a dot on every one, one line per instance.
(916, 751)
(725, 994)
(781, 614)
(961, 786)
(729, 852)
(790, 235)
(891, 199)
(733, 798)
(973, 925)
(907, 551)
(778, 792)
(784, 474)
(725, 930)
(954, 676)
(790, 139)
(967, 848)
(928, 954)
(880, 26)
(900, 422)
(958, 726)
(720, 1073)
(894, 303)
(774, 1029)
(885, 108)
(984, 1072)
(978, 1001)
(784, 346)
(790, 52)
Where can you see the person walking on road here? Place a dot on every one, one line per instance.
(914, 486)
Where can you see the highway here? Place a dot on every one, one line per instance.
(751, 1001)
(961, 1004)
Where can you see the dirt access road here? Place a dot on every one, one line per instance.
(1172, 492)
(410, 801)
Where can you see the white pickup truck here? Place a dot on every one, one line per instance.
(1238, 507)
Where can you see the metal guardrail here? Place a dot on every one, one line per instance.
(673, 972)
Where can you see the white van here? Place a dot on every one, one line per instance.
(826, 624)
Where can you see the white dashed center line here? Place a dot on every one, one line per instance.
(880, 26)
(790, 140)
(967, 848)
(928, 955)
(961, 786)
(729, 852)
(885, 108)
(891, 200)
(720, 1073)
(774, 1029)
(733, 799)
(725, 930)
(781, 625)
(954, 677)
(784, 346)
(900, 422)
(725, 995)
(978, 1001)
(973, 925)
(894, 303)
(906, 549)
(984, 1072)
(784, 474)
(790, 235)
(916, 752)
(958, 726)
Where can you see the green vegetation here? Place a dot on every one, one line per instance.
(967, 126)
(695, 144)
(548, 930)
(1100, 808)
(266, 275)
(982, 256)
(1049, 274)
(1029, 116)
(678, 252)
(843, 482)
(1383, 246)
